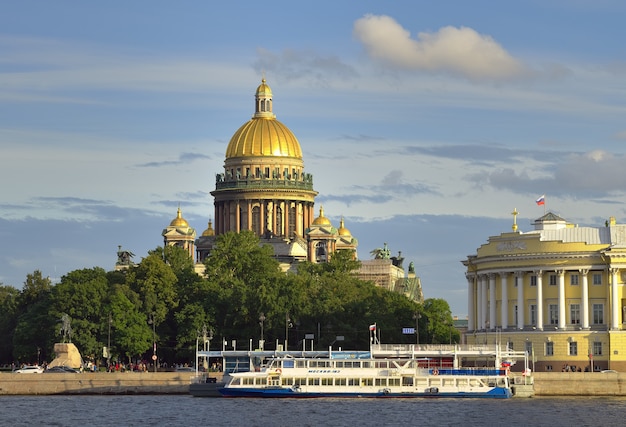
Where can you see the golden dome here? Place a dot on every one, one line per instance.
(179, 221)
(209, 231)
(321, 220)
(343, 231)
(263, 135)
(263, 89)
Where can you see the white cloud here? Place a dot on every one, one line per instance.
(460, 51)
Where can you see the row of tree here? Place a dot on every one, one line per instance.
(242, 295)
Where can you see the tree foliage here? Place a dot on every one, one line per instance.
(242, 292)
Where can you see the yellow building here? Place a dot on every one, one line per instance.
(556, 291)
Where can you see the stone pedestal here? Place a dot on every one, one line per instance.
(66, 355)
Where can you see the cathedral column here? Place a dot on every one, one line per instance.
(519, 280)
(238, 216)
(561, 276)
(492, 301)
(227, 216)
(286, 208)
(275, 225)
(262, 208)
(539, 274)
(504, 283)
(471, 302)
(614, 303)
(249, 216)
(584, 299)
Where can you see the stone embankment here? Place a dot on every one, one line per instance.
(545, 383)
(580, 383)
(96, 383)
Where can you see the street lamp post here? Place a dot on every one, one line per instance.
(261, 320)
(287, 325)
(154, 353)
(109, 343)
(417, 316)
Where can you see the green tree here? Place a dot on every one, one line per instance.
(439, 325)
(8, 320)
(131, 333)
(154, 282)
(33, 338)
(243, 282)
(82, 295)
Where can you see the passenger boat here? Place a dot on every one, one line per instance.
(385, 371)
(332, 377)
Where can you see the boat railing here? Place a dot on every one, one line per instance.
(414, 348)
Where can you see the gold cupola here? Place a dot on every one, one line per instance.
(321, 220)
(343, 231)
(179, 221)
(263, 135)
(209, 231)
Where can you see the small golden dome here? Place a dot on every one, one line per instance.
(209, 231)
(263, 135)
(263, 89)
(321, 220)
(179, 221)
(343, 231)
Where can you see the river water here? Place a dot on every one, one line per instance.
(182, 410)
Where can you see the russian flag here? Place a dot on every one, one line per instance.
(541, 201)
(373, 327)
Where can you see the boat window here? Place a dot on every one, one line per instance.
(314, 381)
(300, 381)
(367, 382)
(394, 382)
(287, 381)
(381, 381)
(327, 381)
(340, 381)
(300, 363)
(353, 381)
(407, 381)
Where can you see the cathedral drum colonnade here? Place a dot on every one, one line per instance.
(556, 291)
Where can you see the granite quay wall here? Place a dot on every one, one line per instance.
(545, 383)
(96, 383)
(580, 383)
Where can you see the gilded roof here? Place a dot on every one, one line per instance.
(179, 221)
(209, 231)
(343, 231)
(321, 220)
(263, 135)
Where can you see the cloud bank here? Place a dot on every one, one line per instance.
(458, 51)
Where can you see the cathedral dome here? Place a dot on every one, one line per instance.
(343, 231)
(321, 220)
(263, 135)
(209, 231)
(179, 221)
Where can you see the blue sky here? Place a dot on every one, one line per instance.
(423, 123)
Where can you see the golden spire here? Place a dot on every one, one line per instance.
(514, 213)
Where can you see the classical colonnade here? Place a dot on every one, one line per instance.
(482, 302)
(281, 217)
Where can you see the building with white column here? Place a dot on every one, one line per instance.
(556, 291)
